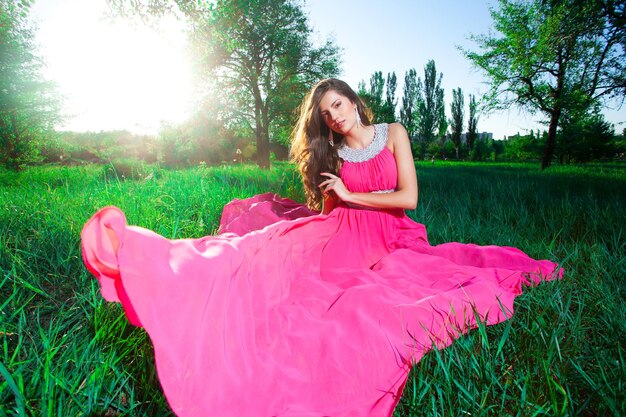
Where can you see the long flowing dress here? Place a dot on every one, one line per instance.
(291, 313)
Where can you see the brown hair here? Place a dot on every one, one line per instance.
(309, 143)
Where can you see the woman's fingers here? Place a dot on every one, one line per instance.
(331, 179)
(332, 183)
(329, 182)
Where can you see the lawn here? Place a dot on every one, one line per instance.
(66, 352)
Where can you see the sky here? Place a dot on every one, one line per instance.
(116, 75)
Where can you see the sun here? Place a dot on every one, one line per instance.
(113, 74)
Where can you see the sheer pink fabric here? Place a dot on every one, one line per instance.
(291, 313)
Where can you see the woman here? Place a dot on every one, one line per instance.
(286, 313)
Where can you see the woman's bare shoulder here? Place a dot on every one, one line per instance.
(396, 135)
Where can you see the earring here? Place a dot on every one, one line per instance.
(358, 117)
(330, 138)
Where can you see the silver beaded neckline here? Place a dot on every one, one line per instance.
(375, 147)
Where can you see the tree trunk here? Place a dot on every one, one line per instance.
(550, 143)
(263, 146)
(261, 130)
(259, 147)
(555, 114)
(263, 141)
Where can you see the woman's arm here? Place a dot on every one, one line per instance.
(405, 196)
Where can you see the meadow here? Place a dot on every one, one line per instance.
(64, 351)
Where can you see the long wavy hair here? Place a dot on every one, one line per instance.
(310, 148)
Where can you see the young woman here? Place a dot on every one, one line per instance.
(288, 312)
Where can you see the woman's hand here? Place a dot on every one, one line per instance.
(334, 183)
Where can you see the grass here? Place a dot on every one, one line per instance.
(66, 352)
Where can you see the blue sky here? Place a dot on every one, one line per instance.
(397, 35)
(96, 62)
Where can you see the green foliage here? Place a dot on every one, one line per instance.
(553, 57)
(441, 148)
(65, 351)
(28, 108)
(585, 138)
(201, 139)
(76, 148)
(389, 106)
(456, 122)
(409, 103)
(430, 114)
(487, 149)
(384, 109)
(472, 124)
(256, 60)
(618, 145)
(53, 149)
(376, 92)
(265, 60)
(130, 169)
(523, 147)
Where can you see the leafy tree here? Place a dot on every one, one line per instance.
(523, 147)
(472, 123)
(261, 52)
(381, 96)
(373, 96)
(442, 121)
(486, 148)
(456, 122)
(409, 103)
(430, 115)
(257, 53)
(377, 86)
(585, 138)
(554, 55)
(618, 145)
(389, 107)
(28, 108)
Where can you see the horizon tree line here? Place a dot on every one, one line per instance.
(565, 59)
(422, 108)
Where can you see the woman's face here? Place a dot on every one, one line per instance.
(338, 112)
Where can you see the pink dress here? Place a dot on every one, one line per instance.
(290, 313)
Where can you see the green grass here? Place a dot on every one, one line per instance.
(66, 352)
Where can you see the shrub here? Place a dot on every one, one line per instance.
(123, 169)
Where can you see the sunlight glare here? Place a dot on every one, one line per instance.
(114, 75)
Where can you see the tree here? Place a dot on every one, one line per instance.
(373, 96)
(456, 122)
(554, 55)
(377, 86)
(263, 59)
(472, 123)
(384, 109)
(430, 115)
(584, 138)
(389, 106)
(409, 103)
(257, 53)
(28, 108)
(520, 148)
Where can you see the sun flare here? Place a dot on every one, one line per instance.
(112, 74)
